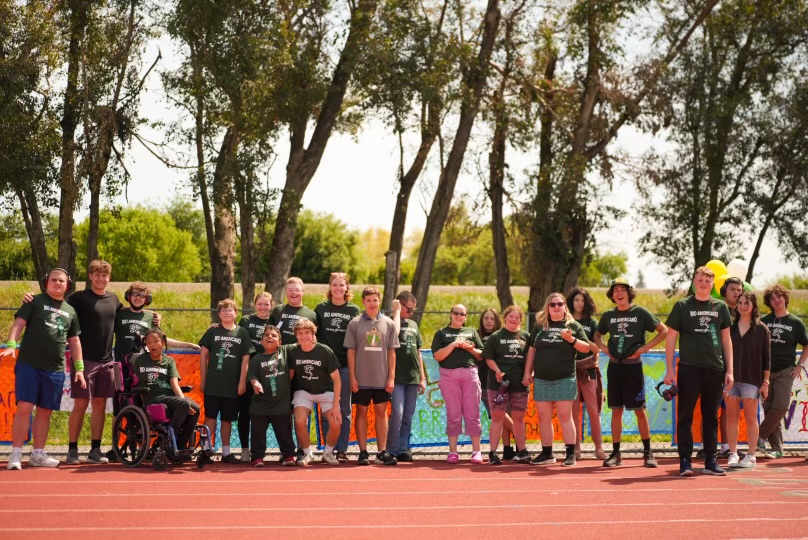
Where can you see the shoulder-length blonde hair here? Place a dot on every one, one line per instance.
(543, 316)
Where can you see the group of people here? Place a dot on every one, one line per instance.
(273, 366)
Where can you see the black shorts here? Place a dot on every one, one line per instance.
(625, 386)
(366, 395)
(228, 407)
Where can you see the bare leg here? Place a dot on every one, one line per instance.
(42, 420)
(381, 426)
(496, 430)
(733, 416)
(98, 416)
(519, 429)
(750, 408)
(361, 426)
(77, 418)
(564, 411)
(22, 423)
(301, 430)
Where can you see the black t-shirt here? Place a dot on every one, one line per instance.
(312, 369)
(508, 350)
(96, 315)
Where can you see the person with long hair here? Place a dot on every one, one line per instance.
(550, 362)
(751, 351)
(590, 387)
(490, 322)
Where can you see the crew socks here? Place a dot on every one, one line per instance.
(646, 445)
(73, 446)
(616, 448)
(95, 443)
(570, 450)
(547, 450)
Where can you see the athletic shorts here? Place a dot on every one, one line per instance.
(625, 386)
(366, 395)
(228, 407)
(514, 401)
(37, 386)
(744, 391)
(558, 390)
(100, 377)
(304, 399)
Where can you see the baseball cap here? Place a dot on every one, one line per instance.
(617, 281)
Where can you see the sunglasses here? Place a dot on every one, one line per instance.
(555, 304)
(408, 308)
(138, 294)
(459, 314)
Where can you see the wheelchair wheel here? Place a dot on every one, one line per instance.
(130, 436)
(160, 462)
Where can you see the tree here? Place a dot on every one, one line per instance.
(324, 245)
(599, 270)
(191, 219)
(16, 262)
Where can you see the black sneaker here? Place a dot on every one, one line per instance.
(341, 456)
(364, 458)
(701, 455)
(723, 454)
(385, 458)
(569, 461)
(231, 459)
(614, 460)
(112, 456)
(493, 459)
(508, 453)
(522, 456)
(685, 468)
(649, 461)
(404, 457)
(544, 459)
(711, 467)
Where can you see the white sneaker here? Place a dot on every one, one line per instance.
(330, 458)
(15, 461)
(42, 460)
(747, 462)
(733, 460)
(245, 455)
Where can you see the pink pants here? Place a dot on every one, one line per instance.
(461, 393)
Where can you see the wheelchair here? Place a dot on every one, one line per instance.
(140, 433)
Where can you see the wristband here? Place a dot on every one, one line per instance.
(11, 344)
(78, 365)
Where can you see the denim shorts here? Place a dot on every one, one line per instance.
(744, 391)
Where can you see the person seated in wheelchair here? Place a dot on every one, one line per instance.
(158, 372)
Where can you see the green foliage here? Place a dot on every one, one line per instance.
(143, 244)
(599, 270)
(189, 218)
(323, 244)
(793, 282)
(15, 257)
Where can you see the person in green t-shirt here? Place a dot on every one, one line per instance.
(271, 402)
(701, 324)
(158, 372)
(787, 332)
(50, 324)
(285, 317)
(490, 322)
(223, 362)
(626, 325)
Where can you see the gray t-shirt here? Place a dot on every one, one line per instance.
(371, 339)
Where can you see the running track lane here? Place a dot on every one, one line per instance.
(427, 499)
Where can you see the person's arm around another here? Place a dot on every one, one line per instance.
(204, 354)
(726, 344)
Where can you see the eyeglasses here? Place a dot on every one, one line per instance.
(227, 310)
(138, 294)
(408, 308)
(555, 304)
(459, 314)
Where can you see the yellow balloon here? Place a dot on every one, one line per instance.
(718, 268)
(719, 281)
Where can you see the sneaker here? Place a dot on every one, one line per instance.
(614, 460)
(452, 458)
(42, 460)
(112, 456)
(711, 467)
(385, 458)
(493, 459)
(231, 459)
(648, 460)
(508, 453)
(95, 456)
(304, 460)
(569, 461)
(773, 454)
(330, 458)
(723, 454)
(701, 455)
(342, 457)
(15, 461)
(404, 457)
(748, 461)
(476, 458)
(522, 456)
(600, 454)
(289, 461)
(245, 455)
(761, 446)
(544, 459)
(733, 460)
(364, 458)
(72, 456)
(258, 462)
(685, 468)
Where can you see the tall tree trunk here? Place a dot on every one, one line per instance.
(70, 193)
(246, 206)
(223, 257)
(496, 192)
(199, 141)
(474, 83)
(303, 162)
(33, 227)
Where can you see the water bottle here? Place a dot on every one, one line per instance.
(499, 399)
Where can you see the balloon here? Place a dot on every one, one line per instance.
(715, 294)
(719, 282)
(747, 287)
(718, 268)
(737, 268)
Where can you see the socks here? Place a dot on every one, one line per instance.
(548, 450)
(616, 448)
(646, 445)
(570, 450)
(225, 450)
(73, 446)
(95, 443)
(307, 451)
(16, 450)
(329, 449)
(37, 451)
(724, 447)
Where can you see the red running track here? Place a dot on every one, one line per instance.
(426, 499)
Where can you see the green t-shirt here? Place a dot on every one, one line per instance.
(266, 368)
(458, 358)
(787, 332)
(255, 326)
(130, 327)
(590, 327)
(626, 329)
(332, 323)
(408, 357)
(155, 375)
(699, 323)
(554, 358)
(508, 350)
(226, 349)
(312, 369)
(285, 318)
(48, 324)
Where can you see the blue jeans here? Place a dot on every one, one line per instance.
(345, 409)
(405, 397)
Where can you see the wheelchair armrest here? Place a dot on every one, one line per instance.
(139, 391)
(186, 388)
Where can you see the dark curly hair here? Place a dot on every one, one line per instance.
(778, 290)
(589, 303)
(632, 294)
